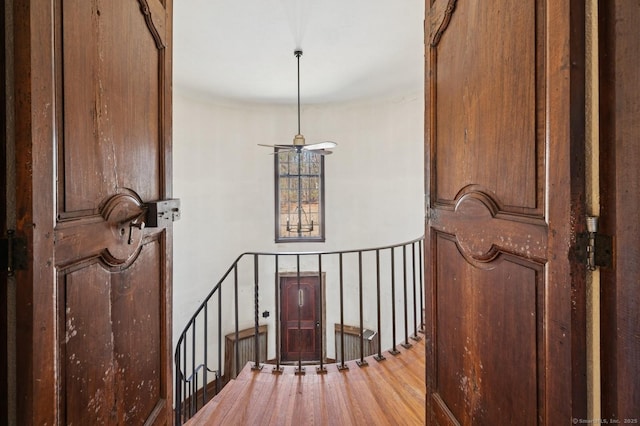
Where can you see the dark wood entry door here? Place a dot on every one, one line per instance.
(620, 203)
(93, 146)
(505, 185)
(301, 312)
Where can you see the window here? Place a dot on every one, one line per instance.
(299, 195)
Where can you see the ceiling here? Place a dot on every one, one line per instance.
(352, 49)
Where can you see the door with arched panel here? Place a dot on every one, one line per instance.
(93, 146)
(505, 201)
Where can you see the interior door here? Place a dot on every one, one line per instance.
(93, 148)
(505, 185)
(300, 318)
(620, 203)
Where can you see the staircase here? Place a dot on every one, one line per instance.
(387, 392)
(379, 291)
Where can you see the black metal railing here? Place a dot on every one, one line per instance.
(199, 364)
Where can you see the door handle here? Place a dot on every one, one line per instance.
(134, 224)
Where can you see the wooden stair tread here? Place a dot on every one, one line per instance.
(389, 392)
(226, 394)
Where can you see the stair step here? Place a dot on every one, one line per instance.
(383, 392)
(228, 393)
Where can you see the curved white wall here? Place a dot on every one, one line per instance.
(374, 185)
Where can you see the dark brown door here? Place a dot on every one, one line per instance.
(505, 185)
(620, 201)
(300, 318)
(93, 146)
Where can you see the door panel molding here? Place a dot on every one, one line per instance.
(482, 231)
(152, 15)
(440, 19)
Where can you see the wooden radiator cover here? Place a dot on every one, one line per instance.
(246, 350)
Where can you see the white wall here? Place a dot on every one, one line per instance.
(374, 186)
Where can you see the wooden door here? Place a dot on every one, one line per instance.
(505, 185)
(93, 147)
(301, 312)
(620, 204)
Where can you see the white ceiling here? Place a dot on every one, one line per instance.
(353, 49)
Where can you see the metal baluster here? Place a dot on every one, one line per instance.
(178, 410)
(218, 387)
(421, 261)
(342, 365)
(379, 356)
(184, 370)
(415, 300)
(237, 326)
(206, 360)
(190, 384)
(321, 369)
(406, 343)
(362, 362)
(256, 279)
(278, 368)
(394, 350)
(192, 400)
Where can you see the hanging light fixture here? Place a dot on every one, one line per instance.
(300, 184)
(299, 144)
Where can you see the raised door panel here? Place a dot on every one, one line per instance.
(111, 84)
(485, 95)
(503, 196)
(89, 363)
(489, 324)
(112, 345)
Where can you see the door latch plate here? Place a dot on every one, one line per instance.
(162, 212)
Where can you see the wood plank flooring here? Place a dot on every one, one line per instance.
(389, 392)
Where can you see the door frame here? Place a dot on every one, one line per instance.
(4, 225)
(323, 309)
(37, 396)
(619, 158)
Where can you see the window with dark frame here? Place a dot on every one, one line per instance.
(299, 196)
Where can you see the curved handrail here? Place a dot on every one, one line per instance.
(293, 253)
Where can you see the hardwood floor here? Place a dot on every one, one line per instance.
(390, 392)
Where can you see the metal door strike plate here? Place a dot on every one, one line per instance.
(162, 212)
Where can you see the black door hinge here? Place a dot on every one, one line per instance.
(13, 253)
(594, 249)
